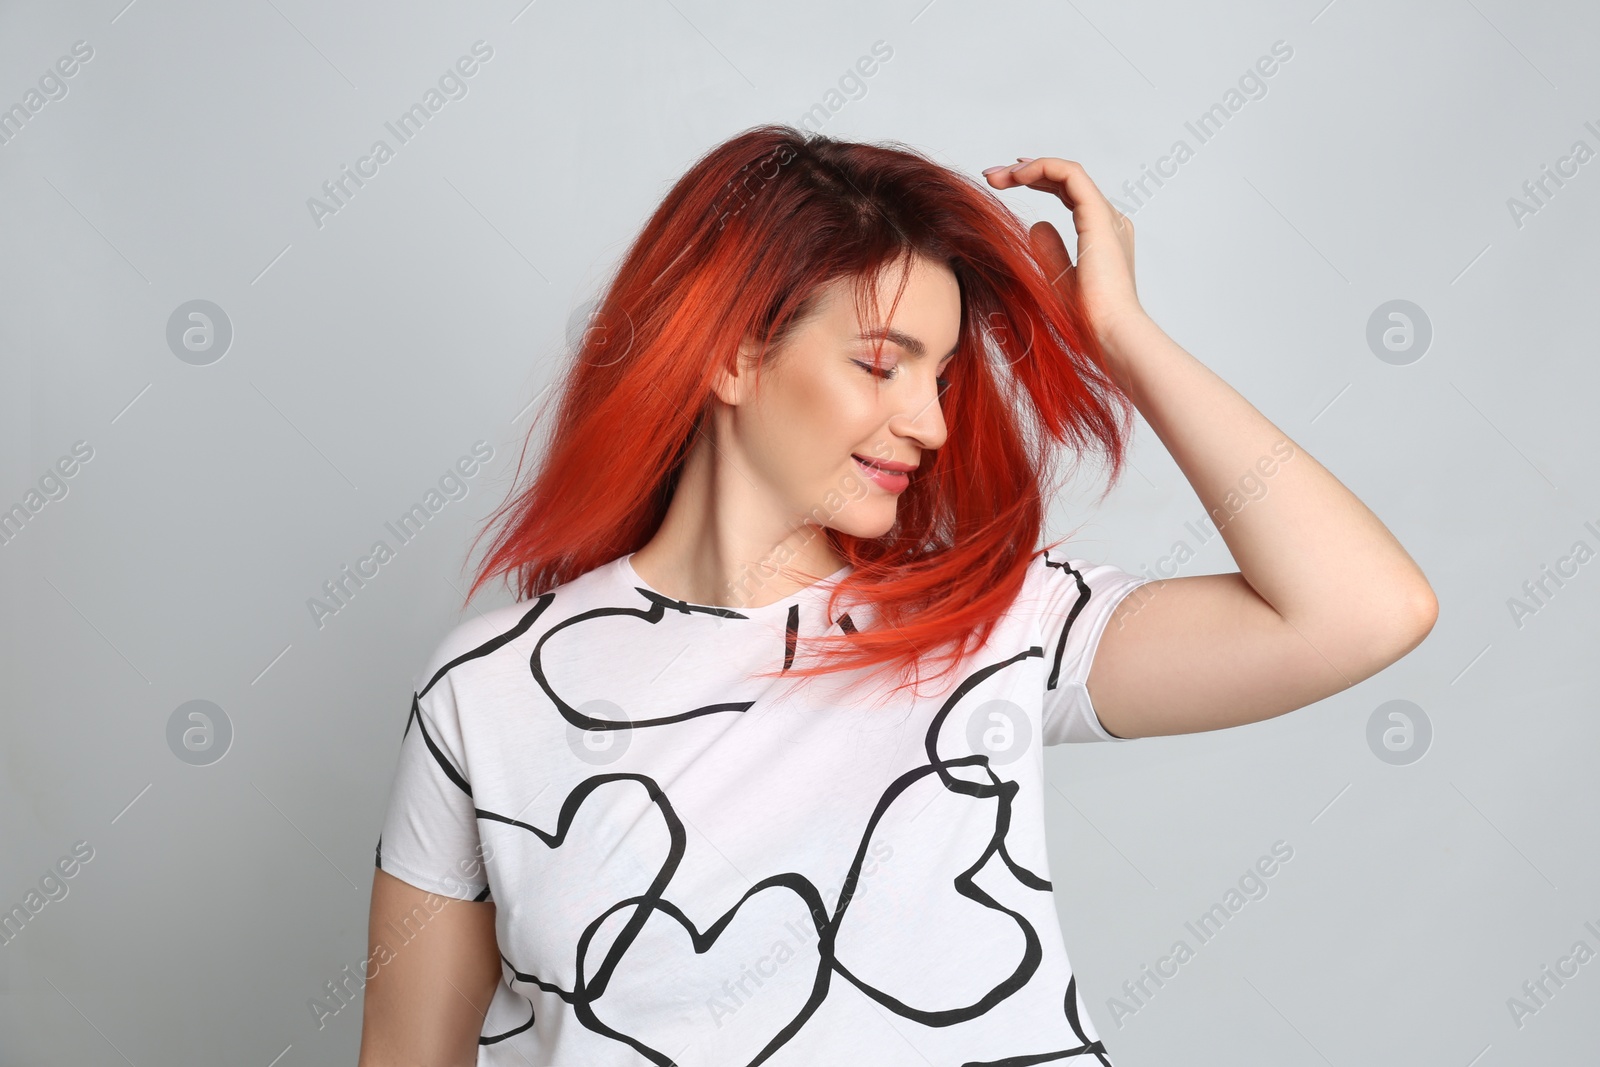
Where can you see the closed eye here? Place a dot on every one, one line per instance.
(890, 372)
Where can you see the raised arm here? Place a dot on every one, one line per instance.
(1324, 596)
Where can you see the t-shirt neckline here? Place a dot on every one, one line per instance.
(817, 590)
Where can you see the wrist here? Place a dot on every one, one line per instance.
(1115, 330)
(1119, 337)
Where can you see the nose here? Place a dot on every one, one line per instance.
(921, 417)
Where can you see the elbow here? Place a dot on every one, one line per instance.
(1415, 617)
(1422, 608)
(1426, 606)
(1369, 636)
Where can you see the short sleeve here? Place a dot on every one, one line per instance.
(1075, 601)
(430, 831)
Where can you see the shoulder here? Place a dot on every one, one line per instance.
(487, 639)
(1052, 571)
(1061, 565)
(1060, 583)
(473, 638)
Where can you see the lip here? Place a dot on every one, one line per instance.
(888, 465)
(892, 481)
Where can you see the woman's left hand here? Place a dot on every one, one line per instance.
(1102, 279)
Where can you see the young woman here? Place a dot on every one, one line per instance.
(752, 772)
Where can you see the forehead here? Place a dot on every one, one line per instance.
(928, 310)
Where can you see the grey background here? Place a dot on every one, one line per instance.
(370, 353)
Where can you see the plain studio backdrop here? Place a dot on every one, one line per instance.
(222, 385)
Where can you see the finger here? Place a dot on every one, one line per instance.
(1005, 180)
(1005, 174)
(1051, 251)
(1075, 188)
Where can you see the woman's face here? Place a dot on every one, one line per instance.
(822, 415)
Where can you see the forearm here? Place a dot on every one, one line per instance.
(1304, 542)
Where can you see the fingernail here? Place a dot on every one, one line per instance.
(991, 170)
(1024, 159)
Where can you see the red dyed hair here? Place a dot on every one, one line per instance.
(740, 248)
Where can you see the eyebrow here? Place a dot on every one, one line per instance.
(905, 341)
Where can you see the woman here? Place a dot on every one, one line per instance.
(752, 772)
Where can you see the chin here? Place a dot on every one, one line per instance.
(866, 523)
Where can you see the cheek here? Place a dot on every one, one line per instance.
(819, 420)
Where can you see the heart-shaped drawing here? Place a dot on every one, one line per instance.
(974, 769)
(731, 994)
(966, 951)
(597, 655)
(616, 838)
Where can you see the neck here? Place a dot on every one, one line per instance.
(727, 541)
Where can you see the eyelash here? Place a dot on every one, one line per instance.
(943, 383)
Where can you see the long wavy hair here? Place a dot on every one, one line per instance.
(740, 248)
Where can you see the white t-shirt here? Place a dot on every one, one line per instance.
(674, 890)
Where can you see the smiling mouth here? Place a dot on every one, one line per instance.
(887, 480)
(864, 461)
